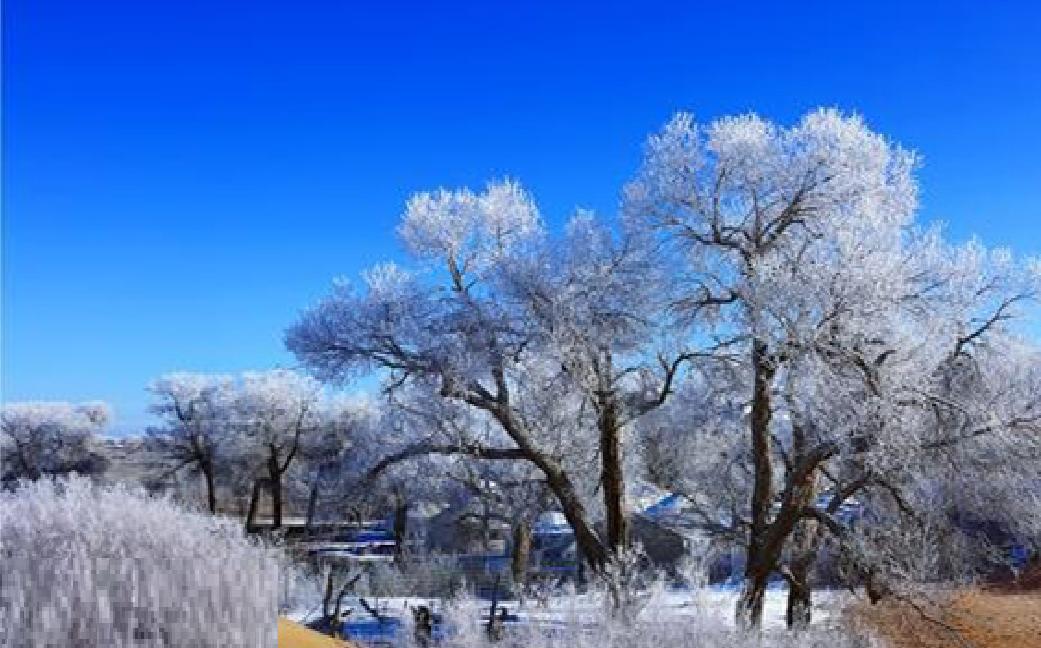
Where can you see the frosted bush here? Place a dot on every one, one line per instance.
(300, 588)
(92, 565)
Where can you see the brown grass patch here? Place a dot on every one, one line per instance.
(978, 619)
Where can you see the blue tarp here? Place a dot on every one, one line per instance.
(669, 505)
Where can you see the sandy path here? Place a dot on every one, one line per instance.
(294, 635)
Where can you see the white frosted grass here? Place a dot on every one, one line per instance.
(91, 565)
(702, 619)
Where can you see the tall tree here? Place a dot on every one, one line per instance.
(946, 389)
(799, 253)
(601, 309)
(741, 201)
(454, 331)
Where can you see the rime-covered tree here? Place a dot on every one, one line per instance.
(598, 301)
(195, 426)
(740, 201)
(51, 438)
(453, 329)
(274, 414)
(330, 458)
(946, 395)
(800, 262)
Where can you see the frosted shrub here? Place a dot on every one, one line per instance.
(300, 587)
(91, 565)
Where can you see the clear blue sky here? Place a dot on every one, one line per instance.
(180, 178)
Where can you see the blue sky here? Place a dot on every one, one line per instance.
(180, 178)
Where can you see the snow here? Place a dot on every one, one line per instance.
(714, 605)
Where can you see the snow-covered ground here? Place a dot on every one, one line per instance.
(713, 606)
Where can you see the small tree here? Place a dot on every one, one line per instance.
(325, 456)
(41, 439)
(194, 428)
(274, 413)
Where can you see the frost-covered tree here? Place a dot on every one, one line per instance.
(453, 330)
(598, 301)
(44, 438)
(274, 414)
(479, 492)
(742, 201)
(86, 564)
(195, 429)
(328, 457)
(800, 263)
(780, 266)
(860, 385)
(946, 428)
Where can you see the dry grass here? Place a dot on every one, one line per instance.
(978, 619)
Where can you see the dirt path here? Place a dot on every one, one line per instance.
(977, 619)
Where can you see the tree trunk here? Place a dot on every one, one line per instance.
(800, 594)
(276, 503)
(757, 567)
(275, 485)
(312, 502)
(750, 605)
(874, 586)
(251, 513)
(337, 623)
(327, 600)
(211, 489)
(486, 528)
(613, 479)
(804, 539)
(521, 553)
(800, 599)
(400, 526)
(333, 615)
(589, 544)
